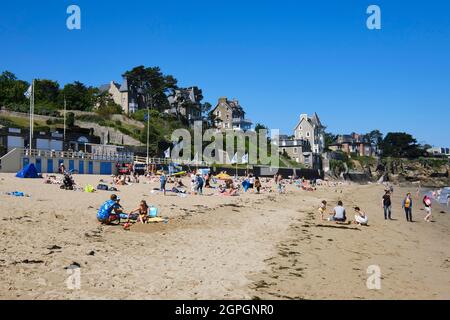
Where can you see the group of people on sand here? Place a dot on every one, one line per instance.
(125, 179)
(339, 214)
(111, 211)
(407, 206)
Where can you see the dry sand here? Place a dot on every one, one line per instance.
(264, 246)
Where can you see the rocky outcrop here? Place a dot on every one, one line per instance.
(430, 172)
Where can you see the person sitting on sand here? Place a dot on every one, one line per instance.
(322, 209)
(339, 214)
(360, 217)
(142, 211)
(105, 213)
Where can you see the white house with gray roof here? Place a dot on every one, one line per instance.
(312, 130)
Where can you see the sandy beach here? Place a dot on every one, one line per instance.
(266, 246)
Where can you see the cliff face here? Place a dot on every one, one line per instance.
(430, 172)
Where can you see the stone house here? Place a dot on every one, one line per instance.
(229, 115)
(354, 143)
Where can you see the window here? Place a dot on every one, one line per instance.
(295, 150)
(308, 134)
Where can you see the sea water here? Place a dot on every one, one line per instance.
(439, 203)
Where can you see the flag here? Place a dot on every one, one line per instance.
(192, 95)
(146, 117)
(245, 158)
(28, 92)
(167, 153)
(234, 160)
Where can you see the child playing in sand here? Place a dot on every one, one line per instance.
(360, 217)
(322, 209)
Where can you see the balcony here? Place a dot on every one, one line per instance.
(242, 121)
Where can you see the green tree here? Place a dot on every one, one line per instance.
(12, 90)
(375, 137)
(106, 105)
(400, 145)
(78, 96)
(259, 127)
(329, 139)
(46, 92)
(70, 120)
(150, 84)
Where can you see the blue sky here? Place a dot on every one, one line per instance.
(279, 58)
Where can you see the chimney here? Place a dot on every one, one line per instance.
(303, 116)
(223, 99)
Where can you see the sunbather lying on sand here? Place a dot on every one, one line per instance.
(227, 192)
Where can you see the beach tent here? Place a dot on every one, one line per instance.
(29, 171)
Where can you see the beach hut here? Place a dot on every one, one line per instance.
(29, 171)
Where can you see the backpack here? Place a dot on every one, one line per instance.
(102, 187)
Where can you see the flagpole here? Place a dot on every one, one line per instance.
(148, 133)
(31, 114)
(65, 110)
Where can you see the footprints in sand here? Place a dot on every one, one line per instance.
(95, 235)
(26, 218)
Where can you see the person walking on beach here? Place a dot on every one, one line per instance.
(257, 185)
(199, 184)
(62, 168)
(163, 181)
(407, 205)
(278, 181)
(387, 205)
(427, 202)
(251, 180)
